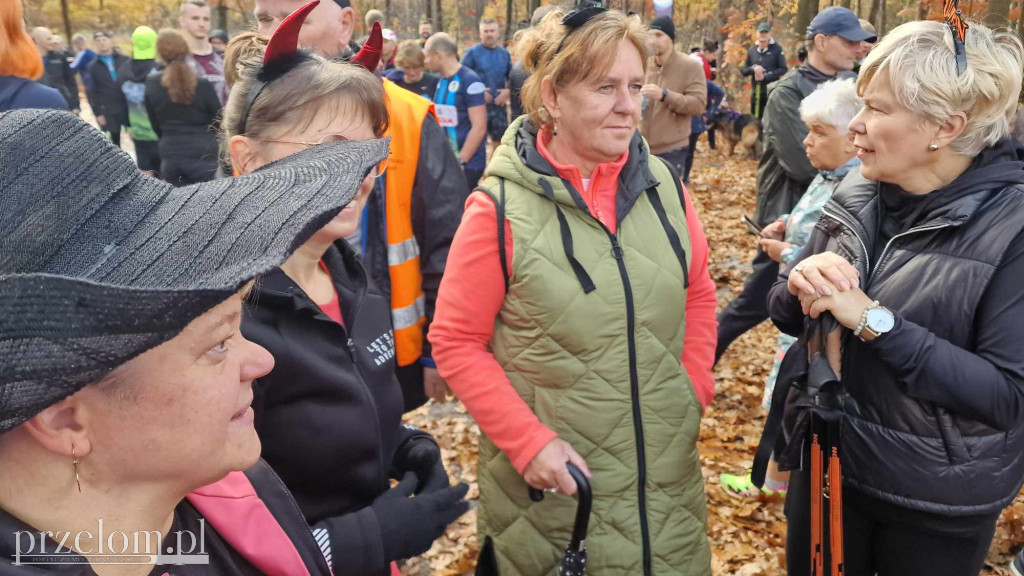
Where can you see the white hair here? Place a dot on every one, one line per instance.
(834, 102)
(921, 66)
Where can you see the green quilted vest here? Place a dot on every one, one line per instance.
(603, 369)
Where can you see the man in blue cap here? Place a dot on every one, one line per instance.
(834, 39)
(766, 63)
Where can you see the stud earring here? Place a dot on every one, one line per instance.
(933, 147)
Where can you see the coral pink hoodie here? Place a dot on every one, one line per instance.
(473, 291)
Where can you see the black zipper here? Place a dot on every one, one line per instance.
(360, 296)
(634, 382)
(634, 388)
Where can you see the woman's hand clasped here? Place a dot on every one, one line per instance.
(826, 282)
(547, 470)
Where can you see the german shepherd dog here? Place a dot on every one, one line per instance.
(736, 128)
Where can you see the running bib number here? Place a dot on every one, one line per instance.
(447, 116)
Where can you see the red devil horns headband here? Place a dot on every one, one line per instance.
(281, 54)
(284, 44)
(369, 54)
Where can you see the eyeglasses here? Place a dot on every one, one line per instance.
(377, 171)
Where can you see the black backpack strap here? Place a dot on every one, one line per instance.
(676, 180)
(673, 238)
(499, 208)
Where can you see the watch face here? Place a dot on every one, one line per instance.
(880, 320)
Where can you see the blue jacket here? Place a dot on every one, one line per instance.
(16, 92)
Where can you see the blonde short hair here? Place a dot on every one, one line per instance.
(919, 60)
(409, 54)
(589, 52)
(834, 102)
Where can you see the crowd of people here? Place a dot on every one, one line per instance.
(316, 235)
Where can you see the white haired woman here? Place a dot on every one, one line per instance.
(919, 259)
(827, 112)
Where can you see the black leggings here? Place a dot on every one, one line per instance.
(888, 540)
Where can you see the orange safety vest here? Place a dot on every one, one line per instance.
(408, 312)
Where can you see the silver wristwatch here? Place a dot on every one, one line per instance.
(874, 321)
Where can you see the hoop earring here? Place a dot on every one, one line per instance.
(933, 147)
(74, 464)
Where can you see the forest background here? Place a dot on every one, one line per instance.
(732, 22)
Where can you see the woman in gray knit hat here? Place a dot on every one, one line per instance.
(125, 383)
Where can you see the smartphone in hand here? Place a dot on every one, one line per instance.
(752, 227)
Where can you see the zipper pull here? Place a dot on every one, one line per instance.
(616, 249)
(351, 348)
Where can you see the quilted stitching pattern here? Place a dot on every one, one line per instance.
(566, 353)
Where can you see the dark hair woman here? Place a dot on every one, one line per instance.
(586, 332)
(330, 412)
(919, 259)
(126, 383)
(183, 110)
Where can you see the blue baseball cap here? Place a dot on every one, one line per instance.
(838, 21)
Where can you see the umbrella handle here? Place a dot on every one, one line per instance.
(586, 499)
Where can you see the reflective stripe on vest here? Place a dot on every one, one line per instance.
(403, 251)
(407, 112)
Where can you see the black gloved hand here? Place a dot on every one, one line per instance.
(423, 456)
(408, 526)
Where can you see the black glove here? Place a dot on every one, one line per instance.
(408, 526)
(423, 456)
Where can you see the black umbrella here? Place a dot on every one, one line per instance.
(575, 561)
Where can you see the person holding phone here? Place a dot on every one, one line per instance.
(827, 112)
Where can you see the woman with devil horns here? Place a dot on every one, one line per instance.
(330, 412)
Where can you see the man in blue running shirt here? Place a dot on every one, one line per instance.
(493, 63)
(460, 105)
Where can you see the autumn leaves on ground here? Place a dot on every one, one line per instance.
(747, 537)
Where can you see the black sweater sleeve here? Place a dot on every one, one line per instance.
(438, 199)
(352, 543)
(986, 384)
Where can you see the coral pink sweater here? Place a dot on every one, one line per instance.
(473, 291)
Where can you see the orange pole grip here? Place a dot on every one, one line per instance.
(817, 479)
(835, 487)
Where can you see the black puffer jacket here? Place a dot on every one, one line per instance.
(934, 410)
(330, 413)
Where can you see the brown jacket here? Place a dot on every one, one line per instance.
(666, 124)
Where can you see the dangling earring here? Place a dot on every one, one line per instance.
(554, 129)
(933, 147)
(74, 464)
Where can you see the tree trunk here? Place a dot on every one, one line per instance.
(508, 21)
(67, 19)
(998, 13)
(439, 16)
(387, 14)
(882, 17)
(804, 14)
(922, 10)
(222, 16)
(844, 3)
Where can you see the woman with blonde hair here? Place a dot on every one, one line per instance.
(917, 260)
(183, 110)
(585, 333)
(20, 65)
